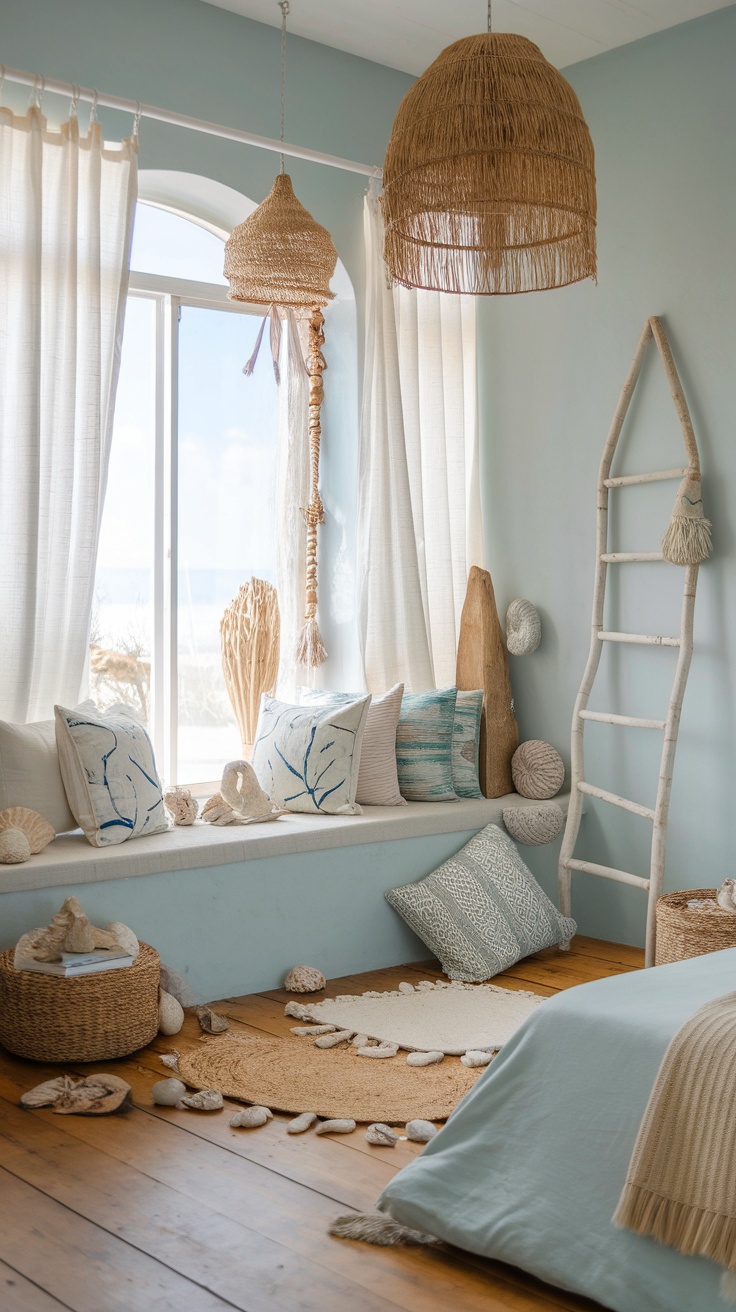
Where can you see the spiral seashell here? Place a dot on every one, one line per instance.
(537, 770)
(523, 627)
(37, 830)
(14, 847)
(304, 979)
(534, 825)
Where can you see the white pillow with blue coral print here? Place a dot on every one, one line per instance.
(307, 757)
(109, 775)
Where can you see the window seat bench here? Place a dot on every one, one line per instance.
(233, 908)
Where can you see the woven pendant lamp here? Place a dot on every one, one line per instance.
(280, 255)
(489, 178)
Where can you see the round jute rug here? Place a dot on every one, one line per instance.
(291, 1075)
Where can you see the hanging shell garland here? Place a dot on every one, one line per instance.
(37, 830)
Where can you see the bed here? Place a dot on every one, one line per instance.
(530, 1167)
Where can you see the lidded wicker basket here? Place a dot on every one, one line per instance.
(685, 931)
(96, 1017)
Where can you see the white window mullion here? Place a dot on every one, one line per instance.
(170, 599)
(158, 698)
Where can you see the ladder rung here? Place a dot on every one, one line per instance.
(627, 479)
(608, 872)
(623, 557)
(649, 639)
(634, 721)
(635, 807)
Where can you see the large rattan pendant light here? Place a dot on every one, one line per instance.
(283, 258)
(489, 178)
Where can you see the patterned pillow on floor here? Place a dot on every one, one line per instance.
(482, 909)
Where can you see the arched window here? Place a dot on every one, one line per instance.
(189, 509)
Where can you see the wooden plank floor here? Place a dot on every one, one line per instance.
(175, 1212)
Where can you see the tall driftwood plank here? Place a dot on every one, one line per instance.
(482, 662)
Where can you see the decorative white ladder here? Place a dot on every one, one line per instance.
(684, 641)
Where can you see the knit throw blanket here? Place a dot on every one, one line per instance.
(681, 1182)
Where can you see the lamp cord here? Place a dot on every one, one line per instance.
(284, 7)
(490, 15)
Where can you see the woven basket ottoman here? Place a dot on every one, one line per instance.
(96, 1017)
(684, 931)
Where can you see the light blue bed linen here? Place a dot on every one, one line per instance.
(530, 1167)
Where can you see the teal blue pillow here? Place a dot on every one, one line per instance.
(466, 743)
(424, 746)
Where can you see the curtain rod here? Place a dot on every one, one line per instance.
(185, 121)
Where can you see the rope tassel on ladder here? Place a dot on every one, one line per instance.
(310, 649)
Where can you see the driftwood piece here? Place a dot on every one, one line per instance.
(482, 662)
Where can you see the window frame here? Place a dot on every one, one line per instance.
(169, 295)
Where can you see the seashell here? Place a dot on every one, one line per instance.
(420, 1131)
(424, 1058)
(523, 628)
(537, 770)
(167, 1093)
(211, 1022)
(304, 979)
(725, 895)
(406, 988)
(332, 1040)
(37, 830)
(95, 1095)
(304, 1030)
(176, 984)
(68, 931)
(475, 1058)
(170, 1013)
(298, 1011)
(359, 1041)
(250, 1118)
(124, 936)
(534, 825)
(383, 1050)
(170, 1059)
(43, 1095)
(338, 1126)
(181, 806)
(381, 1135)
(301, 1123)
(207, 1100)
(14, 847)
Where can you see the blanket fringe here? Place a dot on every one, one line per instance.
(692, 1230)
(377, 1228)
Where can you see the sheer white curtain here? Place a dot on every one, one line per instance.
(420, 520)
(66, 214)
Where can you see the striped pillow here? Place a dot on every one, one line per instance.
(378, 783)
(424, 745)
(466, 743)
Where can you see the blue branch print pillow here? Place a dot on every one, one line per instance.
(424, 745)
(482, 909)
(109, 775)
(307, 757)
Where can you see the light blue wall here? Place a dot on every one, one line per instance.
(662, 113)
(203, 61)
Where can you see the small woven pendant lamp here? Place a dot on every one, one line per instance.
(489, 178)
(281, 257)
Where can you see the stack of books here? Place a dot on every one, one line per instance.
(73, 964)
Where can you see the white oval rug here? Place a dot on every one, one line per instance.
(450, 1018)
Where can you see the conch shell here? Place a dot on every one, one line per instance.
(69, 931)
(37, 830)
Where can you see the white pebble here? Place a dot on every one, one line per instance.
(384, 1050)
(359, 1040)
(382, 1135)
(166, 1093)
(207, 1100)
(371, 993)
(420, 1131)
(250, 1118)
(476, 1058)
(298, 1011)
(303, 1030)
(425, 986)
(301, 1123)
(406, 988)
(340, 1126)
(332, 1040)
(424, 1058)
